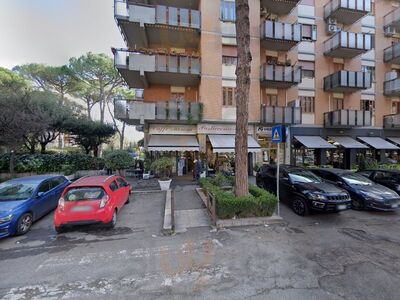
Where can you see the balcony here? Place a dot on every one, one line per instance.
(280, 115)
(348, 44)
(391, 22)
(145, 26)
(141, 70)
(138, 112)
(279, 7)
(347, 82)
(347, 118)
(392, 54)
(280, 77)
(192, 4)
(277, 36)
(347, 11)
(392, 85)
(391, 121)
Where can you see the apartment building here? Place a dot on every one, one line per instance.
(328, 69)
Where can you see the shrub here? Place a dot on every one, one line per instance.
(162, 167)
(118, 160)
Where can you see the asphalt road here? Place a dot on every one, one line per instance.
(352, 255)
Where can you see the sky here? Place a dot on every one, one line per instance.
(52, 31)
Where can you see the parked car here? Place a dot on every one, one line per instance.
(303, 190)
(365, 194)
(25, 200)
(91, 200)
(388, 178)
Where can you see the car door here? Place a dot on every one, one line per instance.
(384, 178)
(57, 187)
(286, 190)
(43, 199)
(116, 194)
(125, 188)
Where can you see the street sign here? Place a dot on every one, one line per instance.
(278, 134)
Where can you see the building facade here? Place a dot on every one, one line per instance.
(328, 69)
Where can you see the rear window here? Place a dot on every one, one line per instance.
(86, 193)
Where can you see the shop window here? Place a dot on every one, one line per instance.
(229, 60)
(228, 96)
(271, 100)
(368, 105)
(228, 11)
(307, 104)
(337, 104)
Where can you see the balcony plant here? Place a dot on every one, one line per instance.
(162, 167)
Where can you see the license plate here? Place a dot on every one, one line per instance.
(81, 208)
(342, 207)
(395, 205)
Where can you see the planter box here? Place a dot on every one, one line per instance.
(209, 202)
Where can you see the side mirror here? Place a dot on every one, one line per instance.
(40, 194)
(339, 183)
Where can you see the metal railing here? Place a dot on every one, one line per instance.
(281, 31)
(348, 79)
(392, 17)
(391, 121)
(392, 87)
(281, 73)
(354, 5)
(351, 40)
(348, 118)
(391, 52)
(280, 115)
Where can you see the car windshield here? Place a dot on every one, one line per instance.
(304, 176)
(16, 190)
(85, 193)
(357, 179)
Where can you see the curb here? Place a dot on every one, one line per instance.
(146, 192)
(168, 225)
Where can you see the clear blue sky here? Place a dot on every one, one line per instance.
(51, 31)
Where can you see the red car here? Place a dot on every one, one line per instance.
(91, 200)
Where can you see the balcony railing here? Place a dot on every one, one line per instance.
(348, 44)
(137, 112)
(279, 7)
(348, 118)
(347, 11)
(280, 115)
(347, 81)
(277, 76)
(392, 19)
(391, 121)
(392, 54)
(192, 4)
(279, 36)
(392, 86)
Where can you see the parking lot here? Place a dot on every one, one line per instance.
(352, 255)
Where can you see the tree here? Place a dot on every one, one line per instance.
(243, 70)
(98, 72)
(89, 134)
(89, 95)
(118, 160)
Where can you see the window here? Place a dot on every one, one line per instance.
(228, 96)
(307, 68)
(395, 107)
(85, 194)
(370, 70)
(56, 182)
(271, 100)
(44, 187)
(177, 96)
(307, 104)
(228, 12)
(337, 104)
(308, 32)
(229, 60)
(368, 105)
(113, 186)
(121, 182)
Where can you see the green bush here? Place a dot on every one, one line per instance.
(162, 167)
(259, 203)
(118, 160)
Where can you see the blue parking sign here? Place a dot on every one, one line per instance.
(278, 134)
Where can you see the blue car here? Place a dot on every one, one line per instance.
(25, 200)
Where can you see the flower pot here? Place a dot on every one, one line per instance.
(164, 184)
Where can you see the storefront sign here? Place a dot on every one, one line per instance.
(172, 129)
(218, 129)
(261, 130)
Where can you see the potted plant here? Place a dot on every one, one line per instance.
(162, 167)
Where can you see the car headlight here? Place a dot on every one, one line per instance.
(370, 195)
(6, 219)
(316, 196)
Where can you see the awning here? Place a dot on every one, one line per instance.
(173, 143)
(314, 142)
(395, 140)
(347, 142)
(226, 143)
(378, 143)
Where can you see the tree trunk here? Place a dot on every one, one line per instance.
(96, 151)
(12, 163)
(89, 110)
(242, 97)
(122, 136)
(43, 148)
(61, 136)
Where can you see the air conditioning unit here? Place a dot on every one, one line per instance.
(332, 28)
(390, 31)
(332, 21)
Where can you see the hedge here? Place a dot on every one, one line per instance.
(259, 203)
(46, 163)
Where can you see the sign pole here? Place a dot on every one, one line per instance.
(277, 175)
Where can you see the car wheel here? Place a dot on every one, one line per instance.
(59, 229)
(357, 204)
(24, 223)
(299, 207)
(113, 220)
